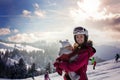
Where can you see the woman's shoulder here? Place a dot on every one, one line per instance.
(87, 49)
(91, 48)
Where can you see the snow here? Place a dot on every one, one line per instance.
(108, 70)
(11, 61)
(10, 47)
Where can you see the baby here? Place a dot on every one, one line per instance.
(64, 53)
(65, 50)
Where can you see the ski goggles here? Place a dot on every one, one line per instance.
(80, 30)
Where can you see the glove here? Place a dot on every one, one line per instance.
(56, 64)
(59, 71)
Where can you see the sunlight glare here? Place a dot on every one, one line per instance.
(89, 8)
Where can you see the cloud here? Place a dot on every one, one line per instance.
(38, 13)
(116, 20)
(36, 6)
(4, 31)
(104, 18)
(109, 29)
(112, 23)
(101, 17)
(52, 3)
(110, 5)
(26, 13)
(94, 10)
(36, 36)
(21, 38)
(15, 30)
(7, 31)
(100, 37)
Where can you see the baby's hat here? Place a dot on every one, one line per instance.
(65, 43)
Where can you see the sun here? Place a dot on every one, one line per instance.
(89, 6)
(87, 9)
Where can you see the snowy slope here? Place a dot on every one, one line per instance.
(108, 70)
(9, 46)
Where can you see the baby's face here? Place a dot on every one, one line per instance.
(69, 47)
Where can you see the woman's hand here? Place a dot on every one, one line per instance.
(56, 64)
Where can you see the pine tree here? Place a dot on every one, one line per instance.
(22, 68)
(48, 67)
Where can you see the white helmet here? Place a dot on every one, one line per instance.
(80, 30)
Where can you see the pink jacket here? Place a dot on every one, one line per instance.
(80, 64)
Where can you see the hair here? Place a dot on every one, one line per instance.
(80, 46)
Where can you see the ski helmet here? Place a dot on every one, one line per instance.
(80, 30)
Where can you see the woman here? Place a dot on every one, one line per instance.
(84, 50)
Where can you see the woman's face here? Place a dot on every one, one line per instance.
(80, 38)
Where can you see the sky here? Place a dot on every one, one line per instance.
(53, 20)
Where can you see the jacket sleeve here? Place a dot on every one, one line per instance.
(80, 61)
(74, 66)
(91, 51)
